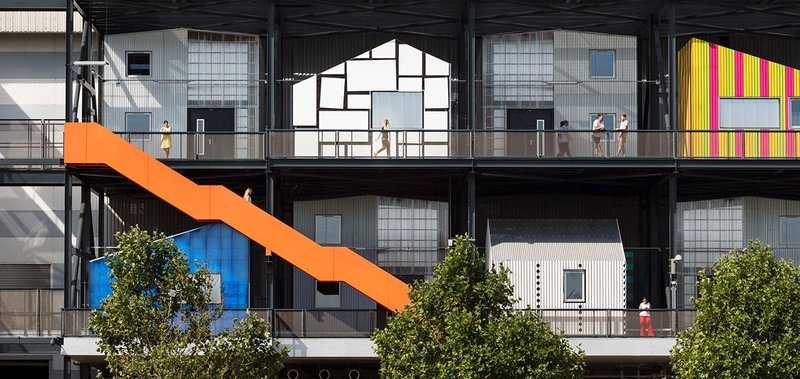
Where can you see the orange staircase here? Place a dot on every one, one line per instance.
(90, 144)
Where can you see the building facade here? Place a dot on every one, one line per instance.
(290, 101)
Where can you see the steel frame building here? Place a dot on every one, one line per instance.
(651, 192)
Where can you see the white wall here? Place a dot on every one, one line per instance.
(32, 75)
(163, 94)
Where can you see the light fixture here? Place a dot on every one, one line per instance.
(561, 82)
(678, 258)
(89, 63)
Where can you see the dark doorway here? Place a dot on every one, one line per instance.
(525, 144)
(208, 123)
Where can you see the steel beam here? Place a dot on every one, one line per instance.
(471, 227)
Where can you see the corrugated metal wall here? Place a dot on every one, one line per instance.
(163, 94)
(540, 284)
(575, 102)
(627, 210)
(38, 22)
(32, 229)
(125, 211)
(762, 222)
(359, 231)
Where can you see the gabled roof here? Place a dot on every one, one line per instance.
(555, 240)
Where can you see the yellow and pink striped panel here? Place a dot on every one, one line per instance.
(709, 72)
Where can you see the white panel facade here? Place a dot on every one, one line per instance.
(163, 94)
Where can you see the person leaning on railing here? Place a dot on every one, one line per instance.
(597, 131)
(166, 138)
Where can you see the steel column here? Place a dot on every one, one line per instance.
(68, 63)
(470, 40)
(101, 223)
(67, 238)
(471, 204)
(673, 68)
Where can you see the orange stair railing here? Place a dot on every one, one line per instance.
(90, 144)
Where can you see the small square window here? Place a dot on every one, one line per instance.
(601, 63)
(790, 230)
(574, 286)
(328, 295)
(328, 229)
(138, 124)
(138, 64)
(795, 112)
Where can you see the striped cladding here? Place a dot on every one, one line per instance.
(24, 276)
(709, 72)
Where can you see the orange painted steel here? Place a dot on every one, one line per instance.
(90, 144)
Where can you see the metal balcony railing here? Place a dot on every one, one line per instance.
(343, 323)
(43, 139)
(200, 146)
(30, 313)
(31, 139)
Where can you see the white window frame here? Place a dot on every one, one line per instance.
(777, 100)
(791, 100)
(783, 230)
(317, 236)
(135, 136)
(613, 63)
(149, 58)
(583, 283)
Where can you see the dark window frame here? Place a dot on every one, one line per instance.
(149, 64)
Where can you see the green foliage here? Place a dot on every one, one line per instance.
(157, 321)
(747, 320)
(462, 324)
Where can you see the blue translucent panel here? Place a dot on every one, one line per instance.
(601, 63)
(217, 247)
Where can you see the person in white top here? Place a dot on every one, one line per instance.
(597, 131)
(645, 325)
(623, 134)
(247, 195)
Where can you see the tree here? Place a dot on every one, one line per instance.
(746, 324)
(462, 324)
(158, 320)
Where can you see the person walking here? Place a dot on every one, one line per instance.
(623, 135)
(384, 137)
(563, 139)
(597, 131)
(645, 325)
(166, 138)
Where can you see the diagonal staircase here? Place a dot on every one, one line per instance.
(90, 144)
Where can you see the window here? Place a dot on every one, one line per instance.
(402, 109)
(138, 64)
(750, 113)
(138, 123)
(574, 286)
(794, 106)
(328, 229)
(216, 288)
(601, 63)
(609, 120)
(328, 295)
(790, 230)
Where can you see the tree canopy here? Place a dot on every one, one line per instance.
(158, 321)
(747, 320)
(462, 324)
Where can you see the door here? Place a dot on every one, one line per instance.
(533, 120)
(205, 145)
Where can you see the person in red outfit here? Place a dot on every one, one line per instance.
(645, 325)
